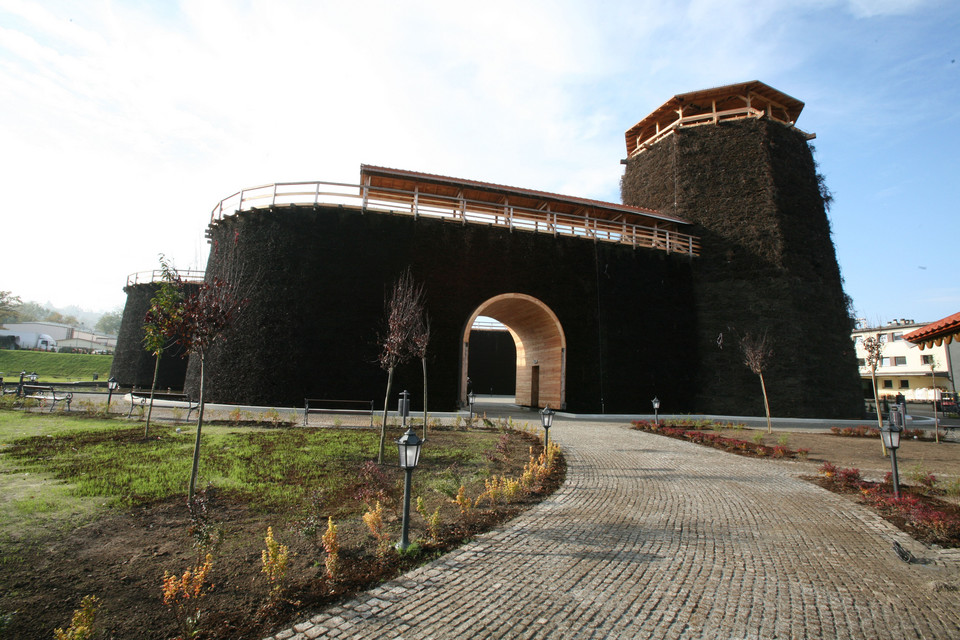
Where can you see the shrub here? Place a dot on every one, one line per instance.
(848, 477)
(274, 559)
(179, 591)
(81, 626)
(332, 546)
(827, 470)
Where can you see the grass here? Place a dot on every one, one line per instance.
(90, 501)
(57, 468)
(54, 367)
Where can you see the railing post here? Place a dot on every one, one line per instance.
(240, 204)
(273, 200)
(316, 195)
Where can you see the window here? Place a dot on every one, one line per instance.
(888, 384)
(904, 384)
(862, 362)
(899, 361)
(896, 336)
(926, 359)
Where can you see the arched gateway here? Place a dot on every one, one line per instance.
(540, 343)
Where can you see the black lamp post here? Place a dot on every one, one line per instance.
(32, 377)
(891, 440)
(408, 447)
(404, 407)
(471, 398)
(656, 410)
(112, 385)
(546, 420)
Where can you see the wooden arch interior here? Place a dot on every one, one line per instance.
(541, 348)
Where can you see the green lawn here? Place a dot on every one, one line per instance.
(56, 468)
(54, 367)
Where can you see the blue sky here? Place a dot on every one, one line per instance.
(123, 123)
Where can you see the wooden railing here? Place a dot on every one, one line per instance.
(455, 209)
(146, 277)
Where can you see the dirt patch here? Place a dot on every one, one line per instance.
(122, 556)
(943, 459)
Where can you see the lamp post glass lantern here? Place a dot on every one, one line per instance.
(656, 409)
(546, 420)
(408, 447)
(891, 440)
(112, 385)
(471, 398)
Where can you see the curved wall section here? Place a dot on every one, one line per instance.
(132, 365)
(316, 280)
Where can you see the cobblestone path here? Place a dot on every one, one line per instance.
(656, 538)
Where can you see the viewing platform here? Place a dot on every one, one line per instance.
(399, 192)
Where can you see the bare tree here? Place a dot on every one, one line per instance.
(756, 355)
(404, 322)
(873, 348)
(421, 339)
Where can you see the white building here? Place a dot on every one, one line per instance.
(904, 367)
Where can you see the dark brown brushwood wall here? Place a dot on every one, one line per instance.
(317, 281)
(768, 264)
(133, 366)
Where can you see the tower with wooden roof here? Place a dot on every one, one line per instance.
(732, 161)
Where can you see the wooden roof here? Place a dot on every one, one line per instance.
(936, 333)
(430, 184)
(746, 99)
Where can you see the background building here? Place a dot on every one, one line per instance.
(905, 367)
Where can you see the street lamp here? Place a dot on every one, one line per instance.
(656, 410)
(112, 385)
(546, 420)
(404, 408)
(891, 440)
(408, 447)
(471, 398)
(31, 377)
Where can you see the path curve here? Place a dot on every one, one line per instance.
(651, 537)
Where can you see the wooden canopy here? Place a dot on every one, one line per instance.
(708, 106)
(425, 184)
(936, 333)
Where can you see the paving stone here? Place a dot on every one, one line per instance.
(652, 537)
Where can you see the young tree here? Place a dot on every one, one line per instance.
(421, 339)
(756, 355)
(873, 348)
(206, 315)
(404, 319)
(161, 323)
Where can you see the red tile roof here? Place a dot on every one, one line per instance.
(938, 332)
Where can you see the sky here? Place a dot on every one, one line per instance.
(122, 124)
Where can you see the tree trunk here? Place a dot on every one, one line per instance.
(386, 408)
(876, 401)
(153, 387)
(424, 361)
(766, 403)
(196, 446)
